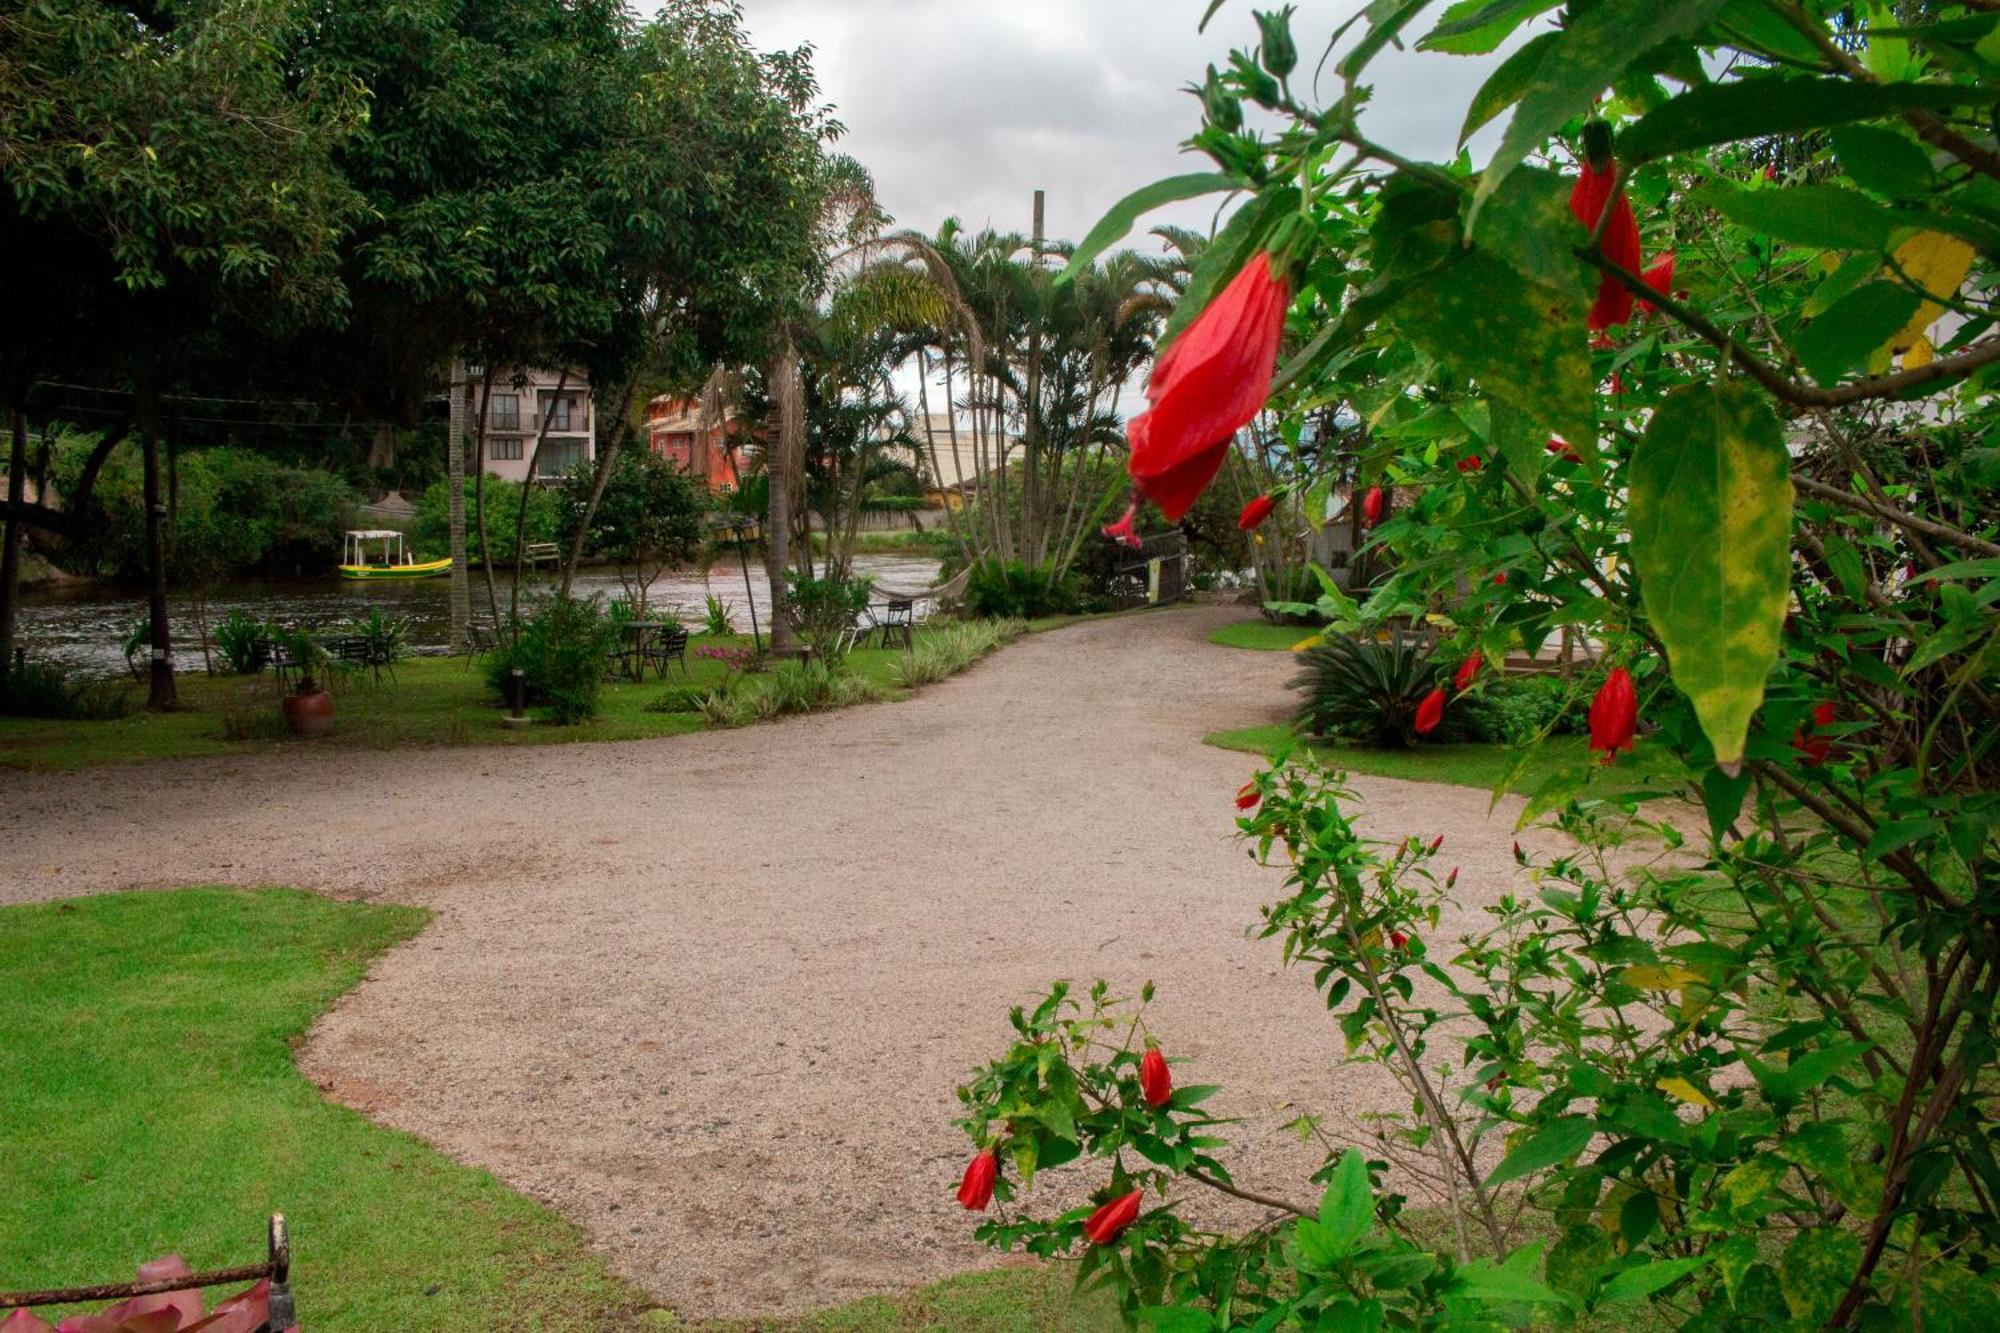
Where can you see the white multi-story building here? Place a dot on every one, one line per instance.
(522, 399)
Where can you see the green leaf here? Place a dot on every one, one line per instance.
(1118, 221)
(1225, 255)
(1850, 331)
(1528, 224)
(1521, 340)
(1722, 796)
(1577, 1257)
(1475, 27)
(1387, 19)
(1514, 1280)
(1646, 1279)
(1711, 517)
(1773, 104)
(1176, 1318)
(1594, 50)
(1884, 161)
(1507, 84)
(1347, 1209)
(1815, 1273)
(1824, 215)
(1557, 1141)
(1513, 436)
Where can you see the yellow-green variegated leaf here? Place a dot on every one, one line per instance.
(1711, 510)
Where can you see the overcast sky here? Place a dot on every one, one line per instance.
(963, 107)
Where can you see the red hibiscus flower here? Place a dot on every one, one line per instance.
(1659, 275)
(1109, 1222)
(1155, 1081)
(1371, 507)
(1430, 712)
(1613, 714)
(1500, 579)
(1399, 940)
(1597, 188)
(1469, 464)
(1122, 531)
(1247, 796)
(1206, 387)
(976, 1190)
(1563, 449)
(1256, 512)
(1468, 670)
(1814, 748)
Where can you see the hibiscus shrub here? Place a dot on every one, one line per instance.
(1716, 320)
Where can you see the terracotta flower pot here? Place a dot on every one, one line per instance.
(309, 714)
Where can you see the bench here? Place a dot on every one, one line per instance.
(534, 554)
(279, 1308)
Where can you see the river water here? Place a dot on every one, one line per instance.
(81, 626)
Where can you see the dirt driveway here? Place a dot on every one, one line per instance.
(709, 996)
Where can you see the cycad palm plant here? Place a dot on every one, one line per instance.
(1365, 689)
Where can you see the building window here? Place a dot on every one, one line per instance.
(564, 411)
(505, 449)
(505, 412)
(559, 458)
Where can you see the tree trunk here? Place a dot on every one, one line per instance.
(461, 569)
(521, 510)
(160, 694)
(10, 557)
(382, 447)
(479, 499)
(605, 461)
(786, 431)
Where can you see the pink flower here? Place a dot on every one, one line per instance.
(1207, 386)
(1122, 531)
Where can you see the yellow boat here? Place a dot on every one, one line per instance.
(396, 561)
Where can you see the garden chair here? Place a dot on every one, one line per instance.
(667, 645)
(284, 665)
(898, 620)
(481, 637)
(281, 1310)
(858, 629)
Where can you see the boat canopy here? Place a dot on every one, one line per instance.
(354, 550)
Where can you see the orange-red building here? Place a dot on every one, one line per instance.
(674, 432)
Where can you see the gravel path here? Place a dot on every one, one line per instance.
(710, 995)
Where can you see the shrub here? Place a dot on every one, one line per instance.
(432, 530)
(718, 621)
(1009, 589)
(823, 610)
(1515, 710)
(946, 652)
(1364, 689)
(387, 637)
(242, 639)
(45, 690)
(682, 699)
(560, 648)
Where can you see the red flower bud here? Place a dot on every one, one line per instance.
(1154, 1079)
(1206, 386)
(1436, 843)
(1659, 275)
(976, 1190)
(1399, 939)
(1613, 713)
(1371, 507)
(1247, 796)
(1430, 712)
(1468, 670)
(1598, 187)
(1500, 579)
(1255, 512)
(1109, 1222)
(1452, 878)
(1520, 857)
(1122, 531)
(1563, 449)
(1469, 464)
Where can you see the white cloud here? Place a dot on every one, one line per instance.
(964, 107)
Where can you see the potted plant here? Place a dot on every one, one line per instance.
(308, 706)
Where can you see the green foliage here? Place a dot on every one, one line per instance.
(1737, 1069)
(242, 639)
(560, 647)
(648, 520)
(1010, 590)
(432, 530)
(1365, 689)
(717, 620)
(233, 512)
(824, 609)
(387, 638)
(943, 653)
(44, 690)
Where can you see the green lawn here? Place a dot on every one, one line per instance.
(431, 701)
(1262, 635)
(152, 1106)
(1481, 766)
